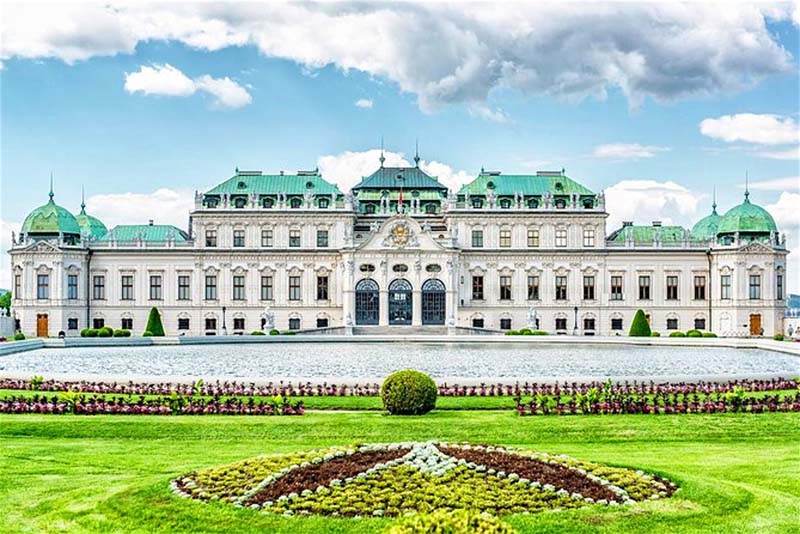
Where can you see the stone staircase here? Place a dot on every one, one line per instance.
(399, 330)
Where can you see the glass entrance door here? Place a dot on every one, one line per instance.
(433, 302)
(367, 302)
(400, 302)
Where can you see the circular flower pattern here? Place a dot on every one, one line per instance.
(411, 477)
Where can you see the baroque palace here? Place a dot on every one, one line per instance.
(292, 251)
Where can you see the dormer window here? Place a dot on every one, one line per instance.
(309, 185)
(561, 203)
(240, 202)
(533, 203)
(212, 202)
(490, 185)
(323, 203)
(559, 186)
(369, 208)
(588, 203)
(430, 208)
(241, 185)
(477, 203)
(505, 203)
(295, 203)
(267, 203)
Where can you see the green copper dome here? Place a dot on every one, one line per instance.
(747, 218)
(50, 219)
(707, 227)
(91, 227)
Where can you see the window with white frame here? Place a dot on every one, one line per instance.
(72, 286)
(505, 237)
(588, 237)
(533, 287)
(238, 238)
(126, 287)
(238, 287)
(211, 287)
(477, 239)
(616, 287)
(266, 287)
(725, 287)
(533, 237)
(211, 238)
(755, 286)
(561, 288)
(184, 287)
(294, 288)
(561, 237)
(266, 238)
(43, 286)
(505, 287)
(156, 289)
(294, 237)
(322, 238)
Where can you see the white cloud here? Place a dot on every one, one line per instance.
(347, 169)
(627, 151)
(787, 217)
(484, 112)
(163, 206)
(791, 183)
(644, 201)
(365, 103)
(444, 53)
(789, 153)
(762, 129)
(6, 228)
(166, 80)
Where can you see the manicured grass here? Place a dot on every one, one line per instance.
(738, 472)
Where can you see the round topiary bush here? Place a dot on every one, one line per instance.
(677, 334)
(694, 333)
(709, 334)
(106, 331)
(91, 332)
(19, 336)
(122, 332)
(257, 333)
(639, 326)
(525, 332)
(451, 522)
(778, 337)
(655, 334)
(409, 392)
(274, 332)
(512, 332)
(147, 333)
(539, 333)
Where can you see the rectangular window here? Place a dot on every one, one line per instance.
(672, 287)
(561, 288)
(238, 287)
(533, 288)
(616, 324)
(127, 287)
(72, 286)
(266, 287)
(322, 287)
(72, 323)
(183, 323)
(294, 288)
(644, 287)
(779, 287)
(533, 238)
(477, 322)
(505, 237)
(99, 287)
(700, 324)
(211, 323)
(43, 286)
(505, 324)
(294, 324)
(294, 238)
(561, 323)
(17, 286)
(322, 238)
(477, 239)
(588, 237)
(98, 323)
(588, 323)
(322, 322)
(266, 238)
(616, 287)
(672, 324)
(211, 238)
(211, 287)
(725, 287)
(238, 238)
(126, 323)
(477, 287)
(699, 288)
(755, 286)
(156, 292)
(588, 288)
(238, 323)
(184, 287)
(561, 237)
(505, 288)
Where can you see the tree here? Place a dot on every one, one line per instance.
(5, 300)
(639, 326)
(154, 325)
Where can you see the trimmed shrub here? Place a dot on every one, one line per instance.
(257, 333)
(106, 331)
(540, 333)
(512, 332)
(778, 337)
(274, 332)
(288, 333)
(122, 332)
(409, 392)
(655, 334)
(694, 333)
(450, 522)
(525, 332)
(709, 334)
(19, 336)
(677, 334)
(154, 325)
(90, 332)
(147, 333)
(639, 326)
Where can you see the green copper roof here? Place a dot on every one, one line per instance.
(706, 228)
(646, 234)
(424, 194)
(155, 233)
(247, 182)
(91, 227)
(747, 218)
(387, 178)
(527, 184)
(50, 219)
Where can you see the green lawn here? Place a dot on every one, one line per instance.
(738, 472)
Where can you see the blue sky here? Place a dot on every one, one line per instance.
(96, 108)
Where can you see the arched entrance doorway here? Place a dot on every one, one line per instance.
(400, 302)
(367, 302)
(433, 302)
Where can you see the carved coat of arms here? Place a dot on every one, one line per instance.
(400, 235)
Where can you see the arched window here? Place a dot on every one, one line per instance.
(369, 208)
(433, 268)
(295, 202)
(430, 207)
(400, 268)
(561, 203)
(367, 302)
(533, 203)
(367, 268)
(323, 203)
(505, 203)
(433, 302)
(400, 302)
(267, 202)
(240, 202)
(477, 203)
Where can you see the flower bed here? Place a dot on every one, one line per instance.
(373, 390)
(400, 478)
(80, 404)
(597, 402)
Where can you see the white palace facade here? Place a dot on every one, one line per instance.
(292, 251)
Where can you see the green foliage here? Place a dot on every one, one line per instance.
(19, 336)
(525, 331)
(409, 392)
(274, 332)
(512, 333)
(36, 382)
(89, 332)
(540, 333)
(5, 300)
(257, 333)
(677, 333)
(639, 326)
(197, 387)
(122, 332)
(709, 334)
(778, 337)
(655, 334)
(154, 325)
(288, 333)
(147, 333)
(106, 331)
(451, 522)
(694, 333)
